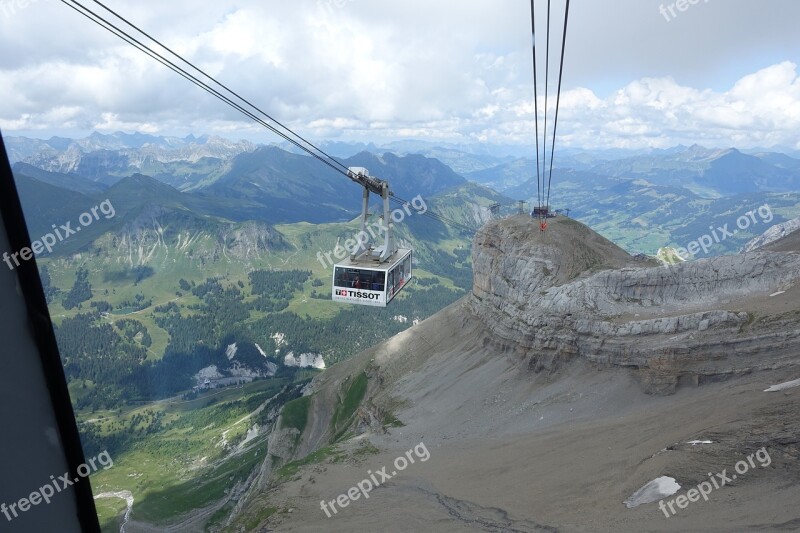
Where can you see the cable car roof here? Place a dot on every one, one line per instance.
(369, 263)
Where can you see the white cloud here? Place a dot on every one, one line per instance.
(380, 70)
(761, 109)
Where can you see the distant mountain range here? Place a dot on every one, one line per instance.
(722, 172)
(21, 148)
(643, 199)
(197, 162)
(709, 173)
(108, 158)
(658, 198)
(238, 181)
(225, 208)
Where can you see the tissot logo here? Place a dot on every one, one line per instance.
(357, 294)
(364, 295)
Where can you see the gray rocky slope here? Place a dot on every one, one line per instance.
(775, 233)
(571, 294)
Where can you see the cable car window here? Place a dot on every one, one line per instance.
(355, 278)
(400, 275)
(378, 281)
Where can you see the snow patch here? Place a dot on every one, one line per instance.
(784, 386)
(696, 442)
(230, 352)
(261, 351)
(655, 490)
(305, 360)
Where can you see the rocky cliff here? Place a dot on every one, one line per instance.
(569, 294)
(773, 234)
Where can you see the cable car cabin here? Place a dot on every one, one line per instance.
(369, 282)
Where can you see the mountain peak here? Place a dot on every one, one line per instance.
(142, 182)
(696, 151)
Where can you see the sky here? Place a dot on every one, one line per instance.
(637, 73)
